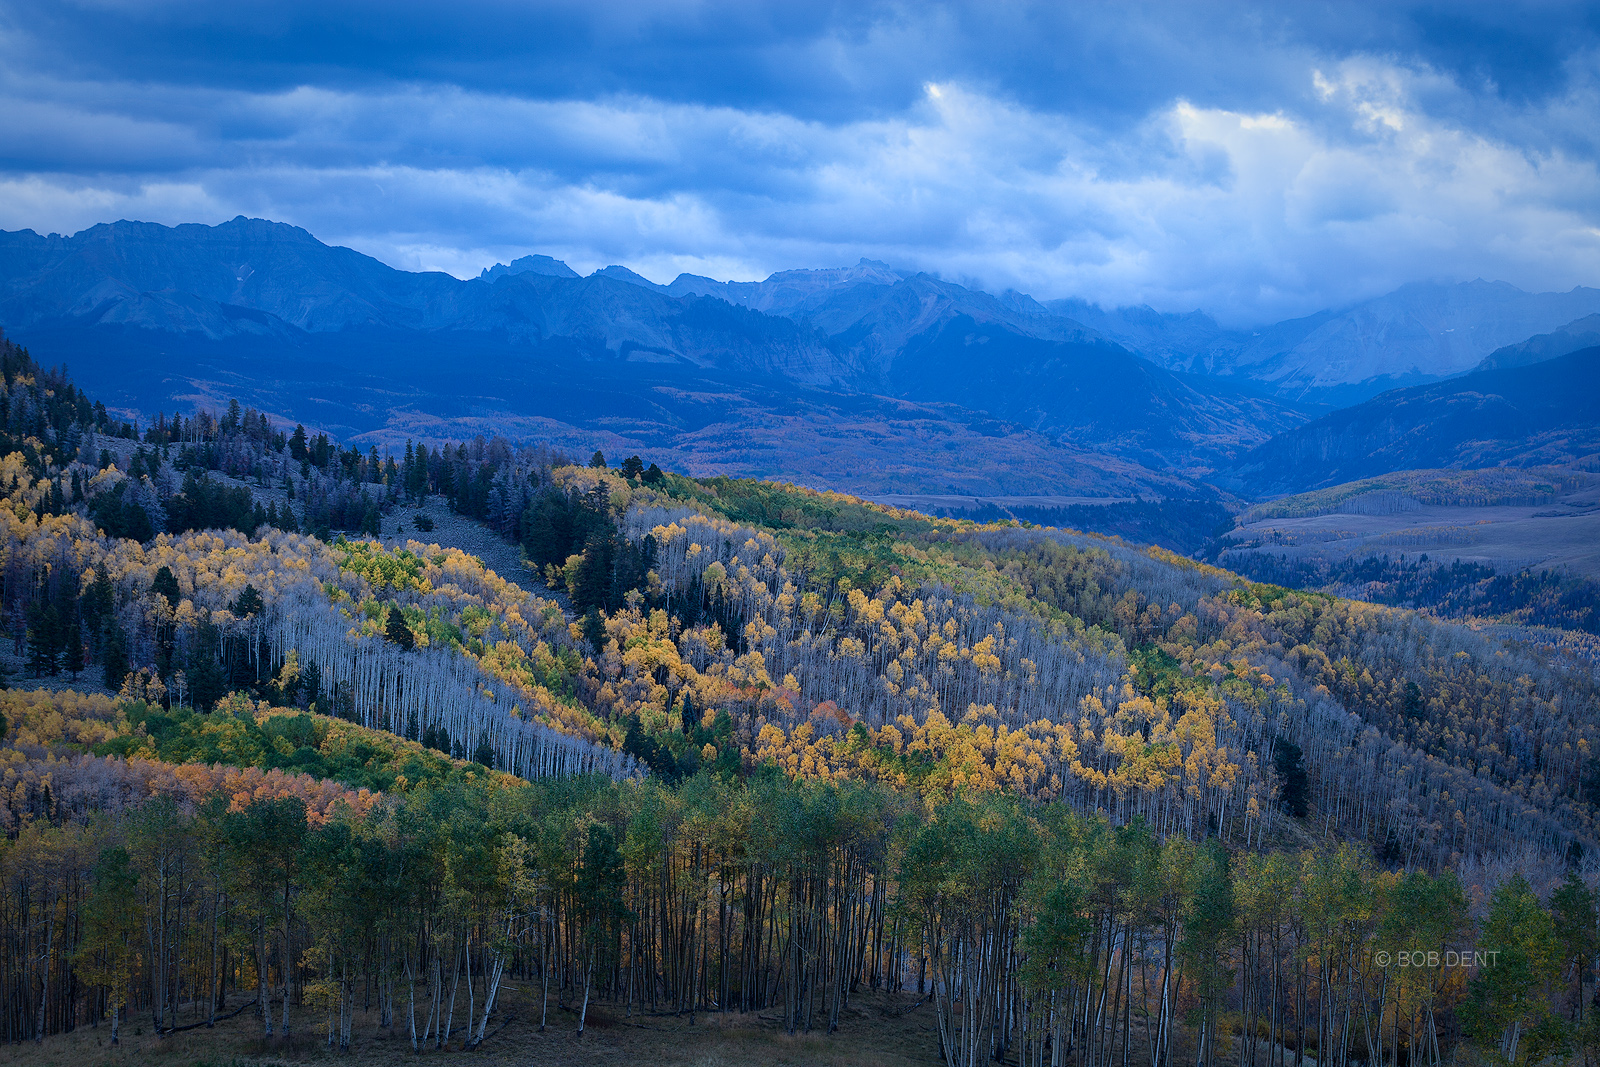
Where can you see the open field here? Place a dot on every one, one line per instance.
(1562, 534)
(457, 531)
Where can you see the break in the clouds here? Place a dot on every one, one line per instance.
(1253, 161)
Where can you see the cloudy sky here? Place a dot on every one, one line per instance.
(1254, 161)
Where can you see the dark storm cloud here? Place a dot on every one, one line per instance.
(1253, 159)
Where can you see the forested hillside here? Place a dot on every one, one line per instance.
(752, 747)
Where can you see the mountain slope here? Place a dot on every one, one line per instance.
(1088, 393)
(1546, 413)
(1419, 329)
(804, 376)
(920, 338)
(1579, 334)
(874, 310)
(1418, 332)
(112, 272)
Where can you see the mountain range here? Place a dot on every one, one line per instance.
(864, 358)
(1419, 333)
(864, 378)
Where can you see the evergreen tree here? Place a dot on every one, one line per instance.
(1294, 786)
(166, 584)
(632, 468)
(594, 629)
(114, 654)
(591, 585)
(43, 646)
(547, 528)
(396, 630)
(74, 650)
(248, 602)
(598, 460)
(208, 683)
(1576, 914)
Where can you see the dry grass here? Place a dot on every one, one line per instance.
(876, 1030)
(1507, 538)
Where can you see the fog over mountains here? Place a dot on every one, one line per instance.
(864, 377)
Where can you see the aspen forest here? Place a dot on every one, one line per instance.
(729, 747)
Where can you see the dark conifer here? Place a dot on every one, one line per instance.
(396, 630)
(166, 584)
(1294, 787)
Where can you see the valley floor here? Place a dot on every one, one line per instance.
(1564, 535)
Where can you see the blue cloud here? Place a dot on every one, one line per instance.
(1252, 159)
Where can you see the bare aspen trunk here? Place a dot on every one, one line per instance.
(588, 973)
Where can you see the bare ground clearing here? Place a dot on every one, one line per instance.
(892, 1031)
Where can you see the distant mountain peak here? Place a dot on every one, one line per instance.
(623, 274)
(528, 265)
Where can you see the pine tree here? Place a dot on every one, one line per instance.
(396, 630)
(42, 641)
(1294, 786)
(166, 584)
(248, 602)
(74, 650)
(207, 680)
(594, 629)
(591, 585)
(114, 654)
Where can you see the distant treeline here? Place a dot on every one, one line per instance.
(1455, 589)
(1182, 526)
